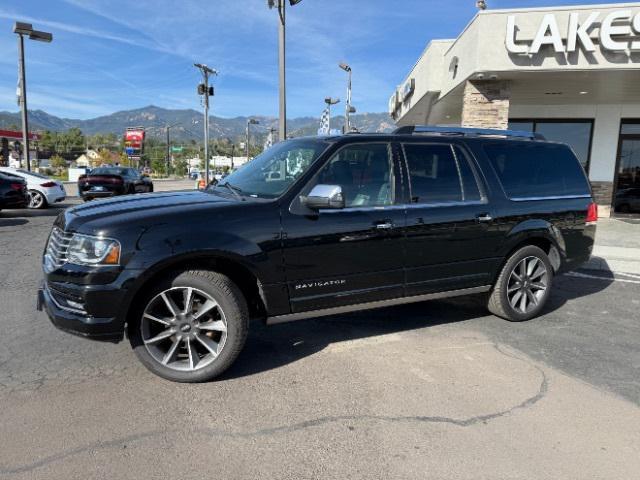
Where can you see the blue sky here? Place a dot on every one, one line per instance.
(117, 55)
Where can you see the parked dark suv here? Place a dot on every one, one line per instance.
(321, 226)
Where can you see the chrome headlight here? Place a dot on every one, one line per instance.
(90, 250)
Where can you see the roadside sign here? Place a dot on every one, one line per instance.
(176, 149)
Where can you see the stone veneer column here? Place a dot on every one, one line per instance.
(604, 153)
(486, 104)
(603, 195)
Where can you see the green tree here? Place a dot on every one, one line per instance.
(124, 160)
(159, 166)
(104, 157)
(73, 141)
(58, 163)
(48, 140)
(180, 167)
(103, 140)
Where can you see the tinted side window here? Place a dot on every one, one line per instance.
(537, 169)
(433, 173)
(364, 172)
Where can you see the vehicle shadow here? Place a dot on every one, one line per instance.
(270, 347)
(25, 213)
(12, 222)
(273, 347)
(571, 286)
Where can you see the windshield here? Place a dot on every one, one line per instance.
(272, 172)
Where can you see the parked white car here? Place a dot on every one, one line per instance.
(43, 191)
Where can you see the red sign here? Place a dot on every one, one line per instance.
(134, 138)
(17, 135)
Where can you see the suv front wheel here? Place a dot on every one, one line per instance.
(523, 286)
(190, 326)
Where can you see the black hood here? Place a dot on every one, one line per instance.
(137, 208)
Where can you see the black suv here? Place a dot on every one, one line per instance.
(321, 226)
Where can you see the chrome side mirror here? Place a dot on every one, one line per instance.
(324, 197)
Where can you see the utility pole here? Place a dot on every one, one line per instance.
(204, 89)
(22, 29)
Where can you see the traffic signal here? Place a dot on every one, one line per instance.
(211, 91)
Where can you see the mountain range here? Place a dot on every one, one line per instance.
(188, 123)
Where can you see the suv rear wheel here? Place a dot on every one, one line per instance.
(523, 286)
(190, 327)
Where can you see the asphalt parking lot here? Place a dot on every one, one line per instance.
(431, 390)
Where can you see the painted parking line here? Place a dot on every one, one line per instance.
(610, 279)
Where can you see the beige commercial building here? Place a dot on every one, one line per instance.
(570, 73)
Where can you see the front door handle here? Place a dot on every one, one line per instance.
(384, 225)
(484, 217)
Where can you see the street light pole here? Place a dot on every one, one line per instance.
(167, 127)
(282, 71)
(206, 71)
(22, 29)
(168, 151)
(282, 127)
(23, 103)
(347, 122)
(330, 101)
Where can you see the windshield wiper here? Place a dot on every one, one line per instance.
(235, 190)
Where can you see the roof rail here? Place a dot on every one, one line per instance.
(467, 132)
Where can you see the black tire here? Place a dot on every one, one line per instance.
(230, 300)
(500, 304)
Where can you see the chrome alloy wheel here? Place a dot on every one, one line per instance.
(527, 284)
(36, 199)
(184, 329)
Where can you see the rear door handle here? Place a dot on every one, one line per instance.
(384, 226)
(484, 217)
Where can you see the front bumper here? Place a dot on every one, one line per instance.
(76, 320)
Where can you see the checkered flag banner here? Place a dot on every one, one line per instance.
(324, 123)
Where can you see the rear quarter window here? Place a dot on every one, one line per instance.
(537, 169)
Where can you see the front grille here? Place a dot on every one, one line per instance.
(56, 252)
